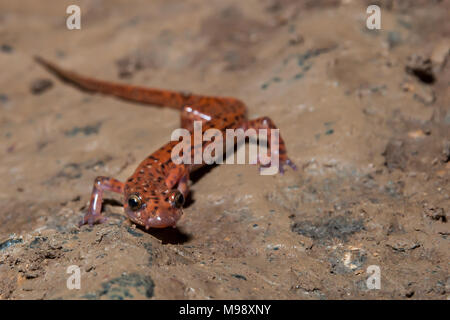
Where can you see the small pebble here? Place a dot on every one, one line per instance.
(394, 38)
(6, 48)
(295, 39)
(39, 86)
(3, 98)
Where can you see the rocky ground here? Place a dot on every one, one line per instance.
(365, 115)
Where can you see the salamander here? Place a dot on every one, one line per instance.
(154, 194)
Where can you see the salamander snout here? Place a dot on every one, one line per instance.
(157, 211)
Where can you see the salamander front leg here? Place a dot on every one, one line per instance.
(101, 184)
(183, 185)
(179, 176)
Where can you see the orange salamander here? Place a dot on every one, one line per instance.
(154, 195)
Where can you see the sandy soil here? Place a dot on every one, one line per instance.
(365, 115)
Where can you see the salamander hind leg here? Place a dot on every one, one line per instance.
(94, 216)
(275, 148)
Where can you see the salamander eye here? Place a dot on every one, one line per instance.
(176, 199)
(134, 202)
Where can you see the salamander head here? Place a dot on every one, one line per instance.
(156, 210)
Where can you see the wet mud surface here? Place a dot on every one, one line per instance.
(365, 115)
